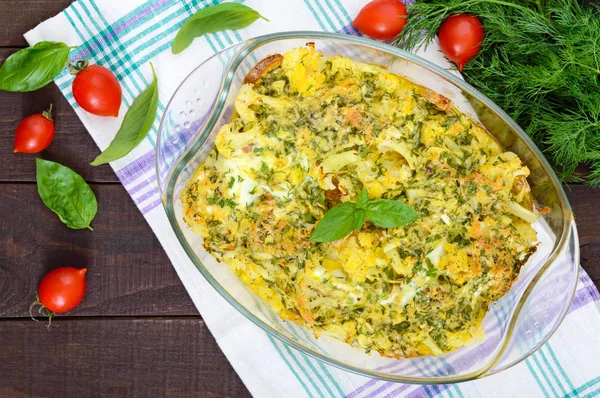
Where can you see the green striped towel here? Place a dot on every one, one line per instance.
(125, 35)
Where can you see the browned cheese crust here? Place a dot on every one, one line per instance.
(262, 68)
(443, 103)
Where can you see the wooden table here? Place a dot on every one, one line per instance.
(137, 331)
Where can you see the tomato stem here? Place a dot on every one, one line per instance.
(36, 302)
(78, 66)
(43, 311)
(48, 114)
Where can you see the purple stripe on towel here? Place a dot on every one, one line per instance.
(84, 51)
(146, 196)
(141, 14)
(141, 185)
(584, 296)
(463, 362)
(151, 206)
(135, 169)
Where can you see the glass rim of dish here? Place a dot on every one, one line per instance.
(246, 47)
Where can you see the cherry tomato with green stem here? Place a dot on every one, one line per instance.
(60, 291)
(460, 38)
(35, 132)
(381, 19)
(96, 89)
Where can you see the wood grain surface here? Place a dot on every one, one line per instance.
(137, 332)
(112, 357)
(17, 17)
(128, 271)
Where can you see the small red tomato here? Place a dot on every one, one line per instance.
(35, 132)
(381, 19)
(62, 289)
(96, 89)
(460, 38)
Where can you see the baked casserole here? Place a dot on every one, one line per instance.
(310, 132)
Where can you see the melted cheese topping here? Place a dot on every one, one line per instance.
(312, 133)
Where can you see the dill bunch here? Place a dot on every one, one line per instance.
(540, 62)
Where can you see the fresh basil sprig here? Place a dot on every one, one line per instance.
(33, 67)
(66, 193)
(136, 124)
(344, 218)
(213, 19)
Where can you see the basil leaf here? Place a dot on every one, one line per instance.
(338, 222)
(137, 123)
(66, 193)
(362, 199)
(346, 217)
(214, 19)
(390, 213)
(33, 67)
(359, 219)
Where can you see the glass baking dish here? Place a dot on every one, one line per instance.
(516, 325)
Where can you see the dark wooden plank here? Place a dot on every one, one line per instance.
(128, 271)
(114, 358)
(72, 144)
(18, 17)
(590, 260)
(585, 202)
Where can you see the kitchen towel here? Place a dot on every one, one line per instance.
(125, 35)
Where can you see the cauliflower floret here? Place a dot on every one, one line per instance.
(246, 97)
(301, 66)
(228, 142)
(339, 161)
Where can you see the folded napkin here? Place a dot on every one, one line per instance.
(124, 35)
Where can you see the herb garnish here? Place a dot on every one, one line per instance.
(137, 123)
(66, 193)
(212, 19)
(33, 67)
(540, 62)
(344, 218)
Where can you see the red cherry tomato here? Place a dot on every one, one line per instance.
(62, 289)
(35, 132)
(381, 19)
(460, 38)
(96, 89)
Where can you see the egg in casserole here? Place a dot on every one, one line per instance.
(310, 132)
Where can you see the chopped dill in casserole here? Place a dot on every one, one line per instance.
(309, 133)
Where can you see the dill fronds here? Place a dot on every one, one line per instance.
(540, 62)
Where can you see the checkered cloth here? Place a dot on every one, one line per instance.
(125, 35)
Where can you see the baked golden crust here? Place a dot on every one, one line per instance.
(443, 103)
(262, 68)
